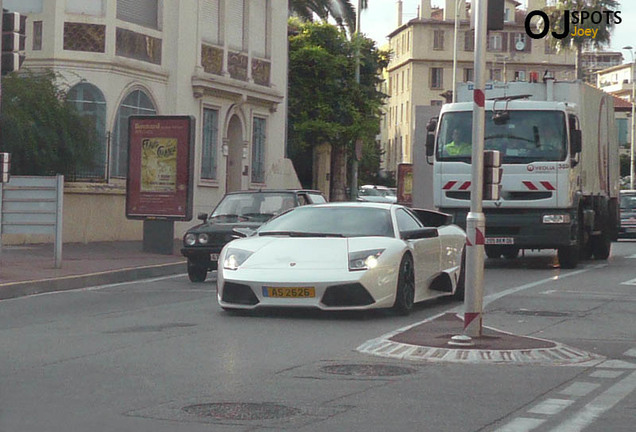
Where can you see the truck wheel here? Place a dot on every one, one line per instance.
(511, 253)
(568, 256)
(493, 252)
(601, 245)
(196, 271)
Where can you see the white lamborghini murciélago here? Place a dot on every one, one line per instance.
(344, 256)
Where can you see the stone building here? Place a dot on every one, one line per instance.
(222, 61)
(420, 73)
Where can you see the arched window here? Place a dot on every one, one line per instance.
(89, 101)
(136, 103)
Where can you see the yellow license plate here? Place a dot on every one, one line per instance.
(289, 292)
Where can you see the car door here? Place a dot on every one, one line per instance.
(426, 252)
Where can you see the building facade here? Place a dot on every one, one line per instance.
(595, 61)
(222, 61)
(619, 82)
(420, 72)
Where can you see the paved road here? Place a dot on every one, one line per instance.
(160, 355)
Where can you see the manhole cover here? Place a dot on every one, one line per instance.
(367, 370)
(539, 313)
(242, 411)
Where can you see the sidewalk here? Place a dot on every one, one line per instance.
(30, 269)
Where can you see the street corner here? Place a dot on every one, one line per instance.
(432, 341)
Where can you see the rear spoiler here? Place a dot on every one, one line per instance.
(432, 218)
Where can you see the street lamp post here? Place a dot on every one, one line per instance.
(631, 151)
(353, 186)
(455, 50)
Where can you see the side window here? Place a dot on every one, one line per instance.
(317, 199)
(406, 222)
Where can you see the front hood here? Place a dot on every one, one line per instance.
(298, 253)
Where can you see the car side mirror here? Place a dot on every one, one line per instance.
(419, 233)
(203, 217)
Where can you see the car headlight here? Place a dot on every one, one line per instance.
(190, 239)
(203, 238)
(556, 218)
(234, 258)
(364, 260)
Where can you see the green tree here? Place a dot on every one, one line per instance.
(341, 11)
(43, 133)
(326, 104)
(556, 13)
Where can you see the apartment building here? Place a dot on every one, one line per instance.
(222, 61)
(420, 73)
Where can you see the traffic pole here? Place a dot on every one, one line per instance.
(476, 221)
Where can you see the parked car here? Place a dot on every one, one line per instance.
(374, 193)
(628, 214)
(345, 256)
(242, 209)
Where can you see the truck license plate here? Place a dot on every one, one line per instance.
(500, 240)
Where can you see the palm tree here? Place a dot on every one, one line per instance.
(563, 9)
(342, 11)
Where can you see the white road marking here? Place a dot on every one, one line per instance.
(97, 287)
(630, 353)
(551, 406)
(602, 403)
(606, 374)
(617, 364)
(496, 296)
(521, 424)
(629, 282)
(579, 389)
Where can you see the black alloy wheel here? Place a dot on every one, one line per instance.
(405, 294)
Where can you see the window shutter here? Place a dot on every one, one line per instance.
(209, 21)
(142, 12)
(258, 27)
(235, 22)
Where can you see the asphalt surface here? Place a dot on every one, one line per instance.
(30, 269)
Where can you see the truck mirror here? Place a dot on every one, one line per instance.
(575, 142)
(430, 144)
(431, 125)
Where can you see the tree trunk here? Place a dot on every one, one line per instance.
(338, 173)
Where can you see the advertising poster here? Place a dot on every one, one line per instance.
(160, 153)
(405, 184)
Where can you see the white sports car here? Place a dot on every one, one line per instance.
(339, 256)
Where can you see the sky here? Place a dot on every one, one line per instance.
(380, 18)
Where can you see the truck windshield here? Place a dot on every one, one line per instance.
(527, 136)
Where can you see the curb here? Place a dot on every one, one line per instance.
(64, 283)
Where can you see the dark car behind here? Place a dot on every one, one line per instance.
(628, 214)
(242, 209)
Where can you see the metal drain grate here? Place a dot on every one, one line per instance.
(539, 313)
(367, 370)
(242, 411)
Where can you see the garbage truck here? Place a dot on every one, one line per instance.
(559, 180)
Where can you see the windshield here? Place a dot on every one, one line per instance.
(257, 206)
(341, 221)
(628, 202)
(528, 136)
